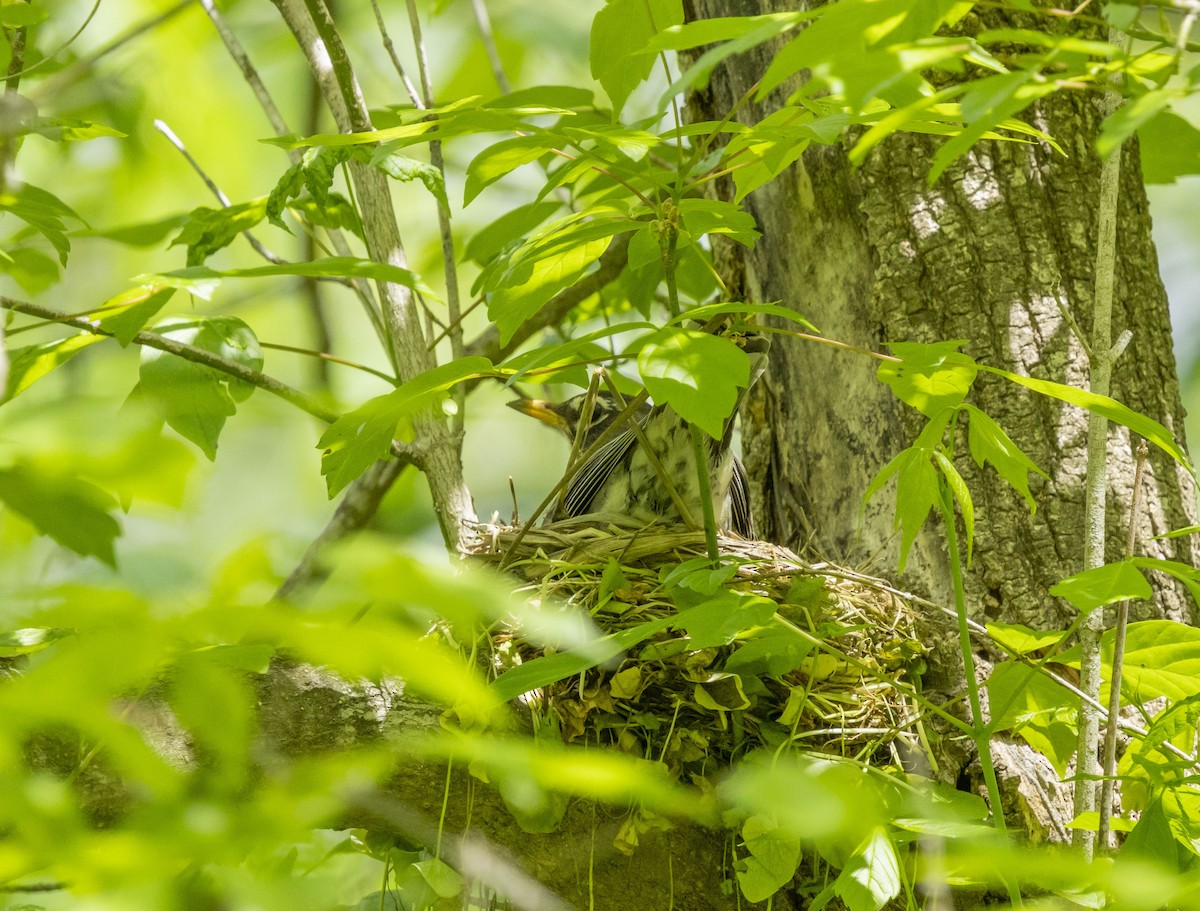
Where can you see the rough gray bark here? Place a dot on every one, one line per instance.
(987, 254)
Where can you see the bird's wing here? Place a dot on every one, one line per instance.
(739, 501)
(582, 490)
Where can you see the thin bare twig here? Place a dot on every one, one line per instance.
(258, 245)
(413, 94)
(484, 21)
(1096, 479)
(449, 261)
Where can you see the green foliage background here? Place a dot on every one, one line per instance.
(203, 543)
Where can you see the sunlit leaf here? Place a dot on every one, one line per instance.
(1021, 639)
(773, 855)
(72, 511)
(931, 377)
(29, 364)
(1103, 585)
(1162, 658)
(696, 373)
(619, 31)
(1035, 707)
(1153, 431)
(989, 443)
(871, 878)
(356, 440)
(193, 398)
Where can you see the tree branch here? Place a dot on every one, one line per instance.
(191, 353)
(336, 237)
(359, 504)
(317, 37)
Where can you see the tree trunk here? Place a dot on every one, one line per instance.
(993, 253)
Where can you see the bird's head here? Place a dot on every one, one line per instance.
(565, 416)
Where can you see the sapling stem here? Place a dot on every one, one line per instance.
(979, 728)
(1096, 481)
(1118, 658)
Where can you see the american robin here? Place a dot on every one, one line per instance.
(620, 478)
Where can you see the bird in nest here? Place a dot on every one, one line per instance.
(621, 478)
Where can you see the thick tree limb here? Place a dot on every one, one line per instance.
(304, 712)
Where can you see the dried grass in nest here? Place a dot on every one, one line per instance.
(851, 638)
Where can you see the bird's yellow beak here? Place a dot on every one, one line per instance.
(543, 411)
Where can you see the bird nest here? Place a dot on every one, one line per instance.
(767, 650)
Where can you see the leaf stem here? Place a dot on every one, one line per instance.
(979, 727)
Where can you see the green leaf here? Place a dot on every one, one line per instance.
(705, 312)
(216, 705)
(126, 314)
(527, 288)
(619, 31)
(29, 640)
(22, 15)
(696, 373)
(1146, 427)
(335, 212)
(719, 620)
(407, 170)
(29, 364)
(1162, 658)
(871, 879)
(441, 877)
(1185, 573)
(72, 129)
(142, 234)
(510, 227)
(500, 158)
(42, 211)
(315, 172)
(30, 268)
(1130, 116)
(1170, 147)
(931, 378)
(989, 443)
(1103, 585)
(962, 496)
(208, 230)
(356, 440)
(746, 32)
(1022, 640)
(194, 399)
(713, 216)
(549, 669)
(916, 492)
(1149, 764)
(329, 267)
(74, 512)
(773, 856)
(1036, 708)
